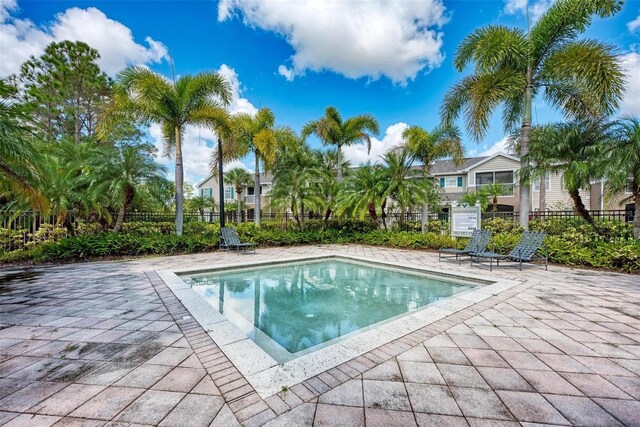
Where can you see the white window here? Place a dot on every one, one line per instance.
(627, 188)
(501, 177)
(536, 183)
(229, 193)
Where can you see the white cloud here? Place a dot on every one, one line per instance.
(519, 7)
(236, 164)
(392, 38)
(21, 38)
(631, 101)
(357, 153)
(286, 72)
(634, 25)
(498, 147)
(238, 104)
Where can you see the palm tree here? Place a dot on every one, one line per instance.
(147, 96)
(120, 173)
(512, 67)
(296, 175)
(332, 130)
(427, 147)
(404, 184)
(623, 159)
(493, 191)
(239, 178)
(18, 154)
(470, 198)
(326, 186)
(258, 135)
(362, 192)
(575, 149)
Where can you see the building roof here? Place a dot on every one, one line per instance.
(448, 166)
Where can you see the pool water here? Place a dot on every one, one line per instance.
(289, 309)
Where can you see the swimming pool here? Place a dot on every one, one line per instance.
(293, 309)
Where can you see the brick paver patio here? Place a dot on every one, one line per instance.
(108, 343)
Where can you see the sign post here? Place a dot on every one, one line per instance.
(465, 219)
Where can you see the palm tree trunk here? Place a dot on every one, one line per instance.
(120, 219)
(383, 213)
(339, 170)
(425, 208)
(128, 197)
(301, 216)
(238, 202)
(584, 213)
(372, 211)
(635, 186)
(256, 192)
(525, 136)
(543, 193)
(179, 182)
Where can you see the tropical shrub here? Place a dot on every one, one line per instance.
(501, 225)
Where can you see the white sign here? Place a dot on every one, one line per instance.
(464, 220)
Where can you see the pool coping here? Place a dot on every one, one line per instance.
(266, 375)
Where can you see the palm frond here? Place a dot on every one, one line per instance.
(563, 22)
(493, 47)
(584, 76)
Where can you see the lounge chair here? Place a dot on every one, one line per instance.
(478, 243)
(229, 240)
(525, 251)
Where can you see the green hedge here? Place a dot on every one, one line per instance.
(568, 242)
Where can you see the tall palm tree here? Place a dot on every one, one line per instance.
(623, 159)
(362, 192)
(512, 67)
(239, 178)
(258, 135)
(404, 184)
(119, 174)
(333, 130)
(427, 147)
(576, 150)
(147, 96)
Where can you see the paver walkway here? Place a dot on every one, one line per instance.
(108, 344)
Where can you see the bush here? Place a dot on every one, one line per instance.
(501, 225)
(119, 244)
(148, 228)
(12, 240)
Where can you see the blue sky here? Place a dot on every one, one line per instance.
(392, 59)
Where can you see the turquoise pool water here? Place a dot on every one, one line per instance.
(289, 309)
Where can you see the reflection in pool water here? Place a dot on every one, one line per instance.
(303, 305)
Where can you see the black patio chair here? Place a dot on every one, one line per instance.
(229, 240)
(525, 251)
(478, 243)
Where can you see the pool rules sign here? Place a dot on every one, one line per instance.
(465, 219)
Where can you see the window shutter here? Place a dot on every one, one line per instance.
(441, 182)
(459, 181)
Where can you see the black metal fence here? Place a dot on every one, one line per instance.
(31, 221)
(20, 228)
